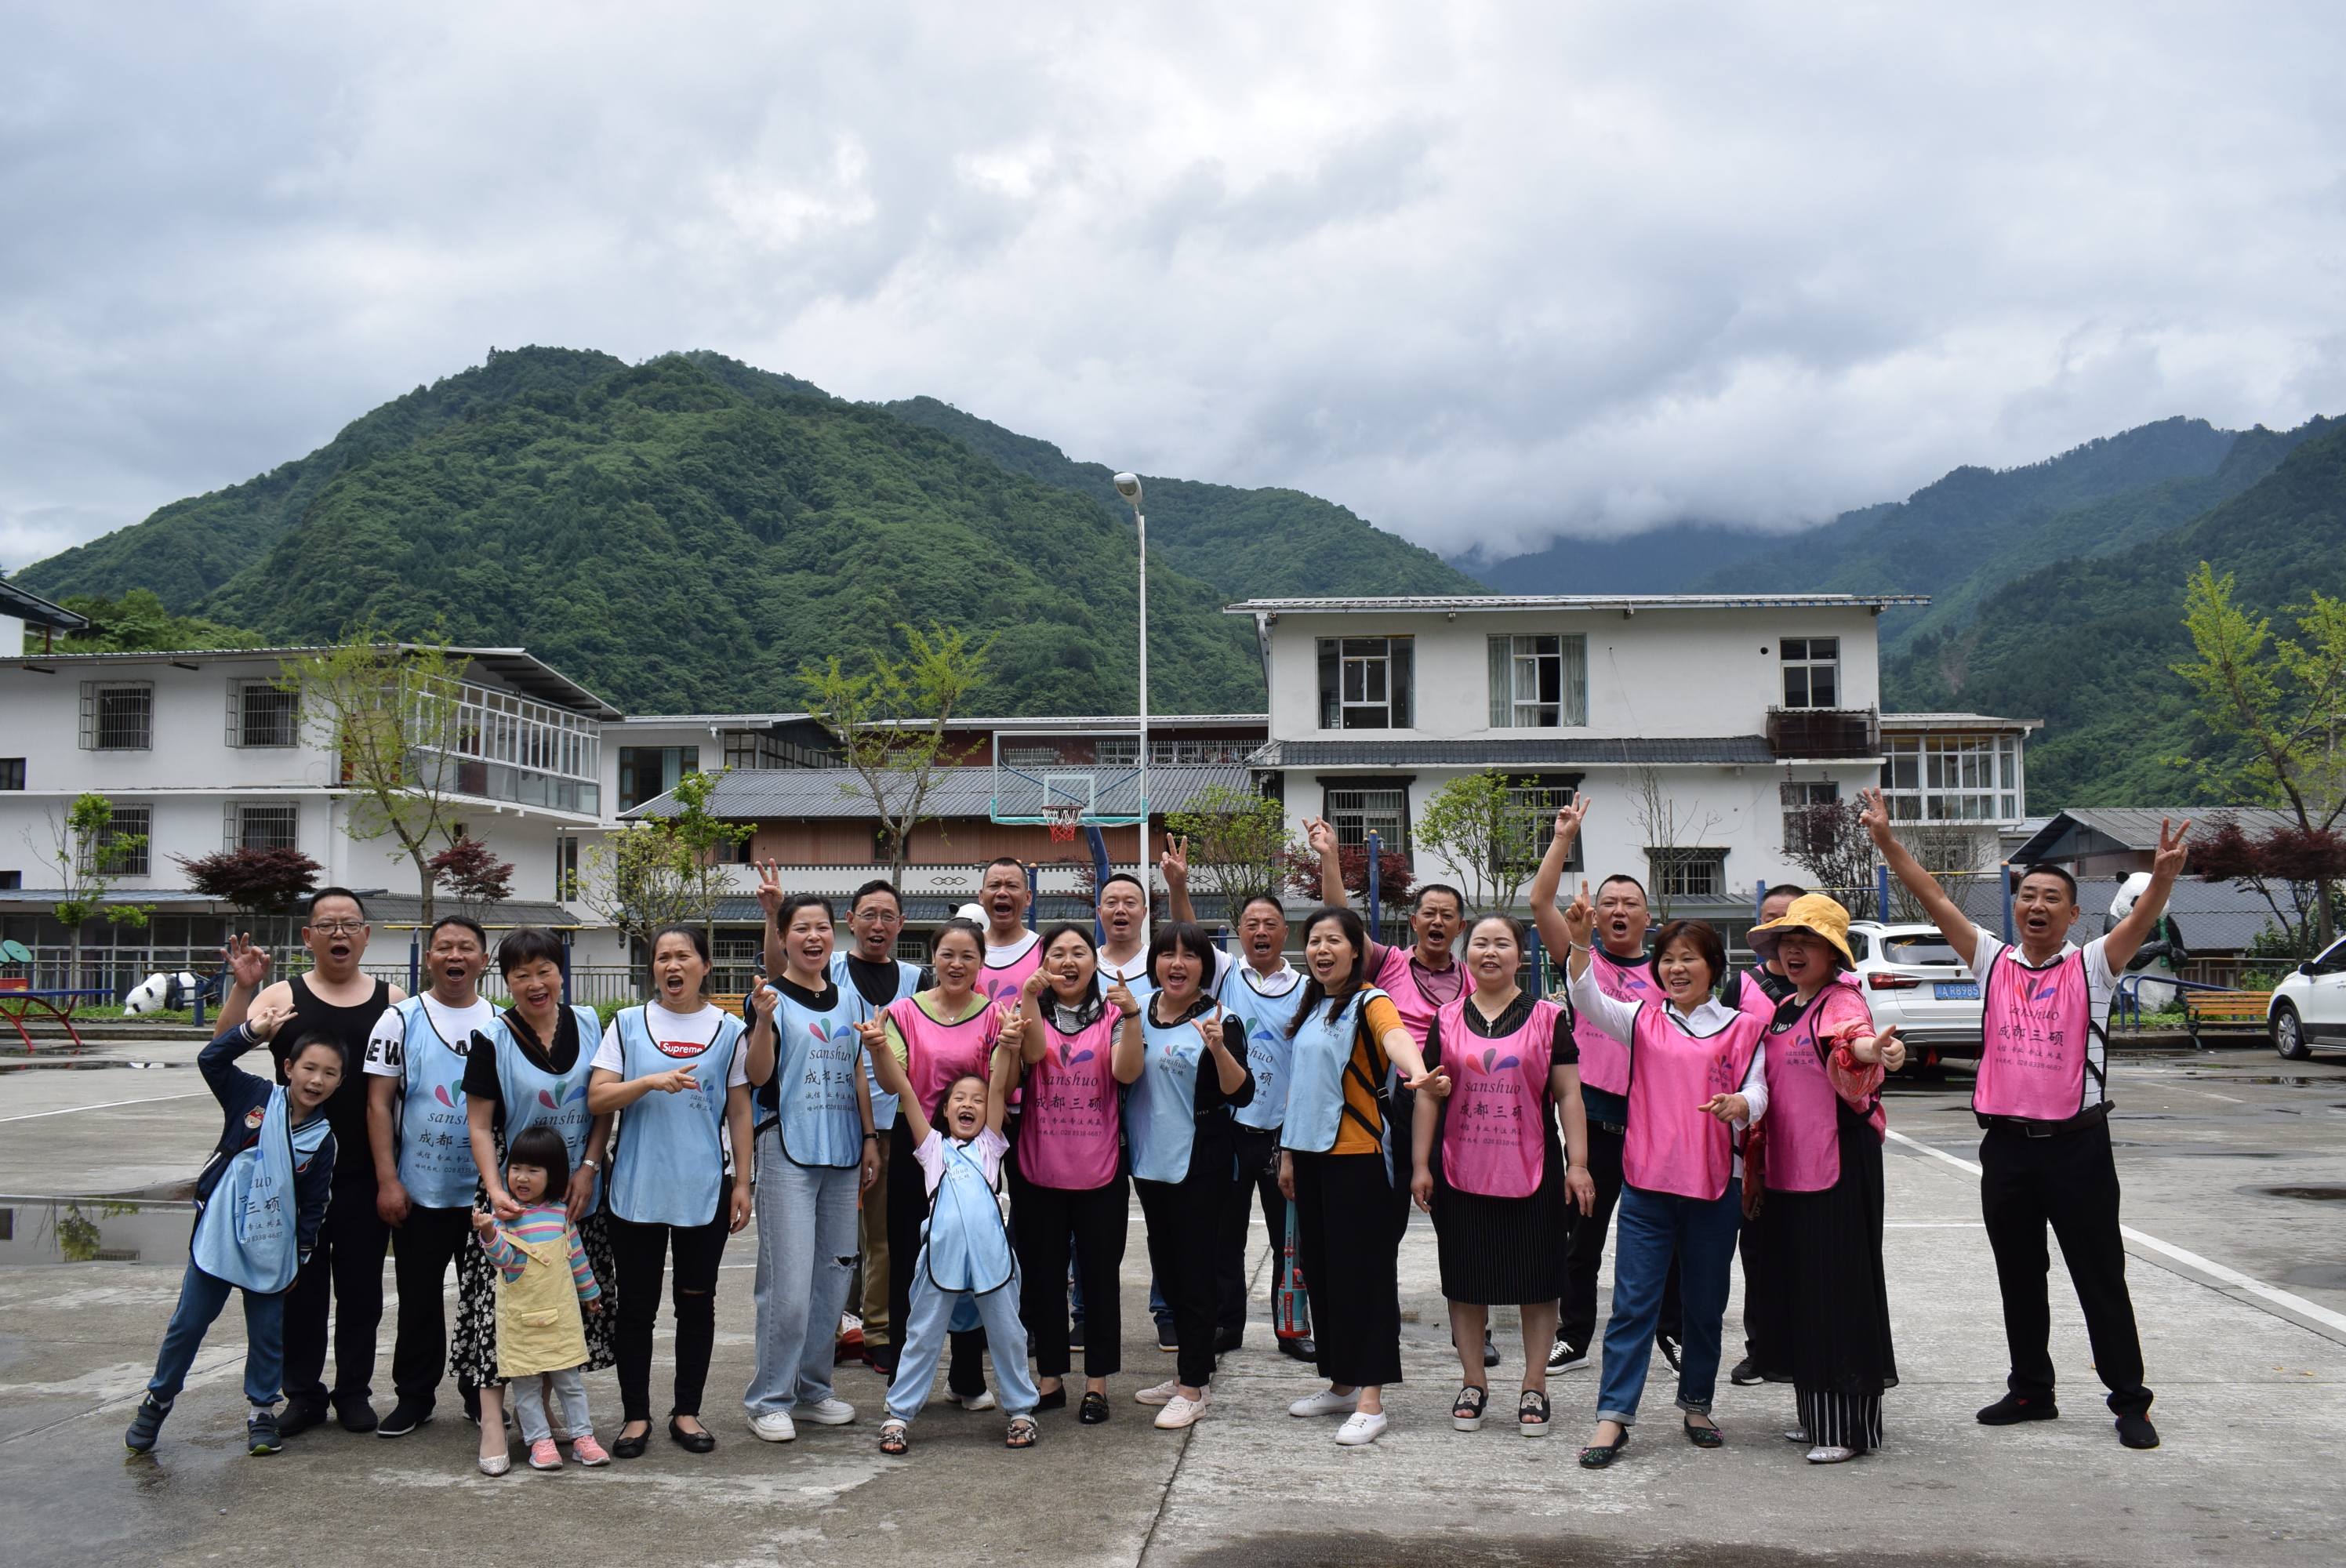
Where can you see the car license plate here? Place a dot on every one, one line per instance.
(1955, 990)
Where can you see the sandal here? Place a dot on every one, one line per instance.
(1598, 1455)
(895, 1436)
(1466, 1410)
(1705, 1437)
(1531, 1413)
(1021, 1433)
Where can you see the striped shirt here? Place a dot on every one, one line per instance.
(537, 1226)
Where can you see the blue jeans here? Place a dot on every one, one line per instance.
(529, 1404)
(806, 1254)
(1654, 1226)
(201, 1298)
(925, 1343)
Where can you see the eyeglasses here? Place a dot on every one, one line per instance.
(339, 927)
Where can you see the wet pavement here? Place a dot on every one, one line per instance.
(2232, 1159)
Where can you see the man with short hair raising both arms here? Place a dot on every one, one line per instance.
(2042, 1098)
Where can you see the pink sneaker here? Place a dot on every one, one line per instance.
(587, 1450)
(544, 1455)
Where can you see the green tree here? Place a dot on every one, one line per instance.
(89, 855)
(699, 836)
(890, 722)
(1478, 823)
(641, 880)
(1237, 840)
(139, 620)
(2283, 707)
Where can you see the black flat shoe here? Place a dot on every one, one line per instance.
(1230, 1339)
(1094, 1409)
(299, 1416)
(1598, 1456)
(2136, 1432)
(1746, 1374)
(632, 1447)
(1705, 1437)
(1056, 1399)
(1299, 1348)
(692, 1442)
(2014, 1409)
(356, 1415)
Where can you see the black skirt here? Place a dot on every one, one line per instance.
(1824, 1323)
(1503, 1251)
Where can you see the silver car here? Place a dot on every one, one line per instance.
(1914, 980)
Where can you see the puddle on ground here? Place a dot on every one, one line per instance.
(2320, 1277)
(126, 1227)
(2309, 1194)
(85, 1066)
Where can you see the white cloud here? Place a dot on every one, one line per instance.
(1481, 272)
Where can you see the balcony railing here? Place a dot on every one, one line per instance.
(1821, 732)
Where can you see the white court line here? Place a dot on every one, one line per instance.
(150, 1100)
(2232, 1277)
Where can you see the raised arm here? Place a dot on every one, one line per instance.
(1032, 1041)
(248, 974)
(1549, 878)
(2131, 932)
(763, 1048)
(1610, 1014)
(770, 899)
(889, 1073)
(1006, 1069)
(1131, 1046)
(1962, 935)
(1173, 865)
(1323, 839)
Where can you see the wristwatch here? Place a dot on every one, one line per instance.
(592, 1165)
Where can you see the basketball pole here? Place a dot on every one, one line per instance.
(1129, 486)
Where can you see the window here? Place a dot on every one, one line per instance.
(754, 749)
(647, 772)
(1811, 672)
(11, 881)
(1364, 683)
(11, 773)
(1355, 813)
(1952, 777)
(1689, 873)
(1539, 682)
(1537, 798)
(122, 846)
(117, 717)
(263, 827)
(259, 714)
(565, 866)
(1800, 828)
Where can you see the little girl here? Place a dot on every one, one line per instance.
(964, 1263)
(540, 1329)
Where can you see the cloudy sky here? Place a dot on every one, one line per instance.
(1486, 274)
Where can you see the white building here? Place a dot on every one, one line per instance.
(1693, 723)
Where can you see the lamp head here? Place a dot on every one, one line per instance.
(1129, 486)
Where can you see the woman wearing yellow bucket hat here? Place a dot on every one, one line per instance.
(1823, 1311)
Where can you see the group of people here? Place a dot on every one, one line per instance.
(968, 1136)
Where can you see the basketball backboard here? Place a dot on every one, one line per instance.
(1040, 774)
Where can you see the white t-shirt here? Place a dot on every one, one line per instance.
(1010, 952)
(1135, 972)
(987, 1149)
(387, 1042)
(2099, 983)
(661, 1024)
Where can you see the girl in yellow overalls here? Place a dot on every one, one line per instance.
(543, 1278)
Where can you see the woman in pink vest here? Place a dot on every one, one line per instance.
(1823, 1313)
(1488, 1169)
(1067, 1187)
(1695, 1079)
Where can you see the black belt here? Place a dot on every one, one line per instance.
(2035, 1129)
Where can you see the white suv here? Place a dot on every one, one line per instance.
(1914, 980)
(2309, 1005)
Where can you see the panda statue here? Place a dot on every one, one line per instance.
(159, 993)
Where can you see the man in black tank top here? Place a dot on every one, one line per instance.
(345, 1267)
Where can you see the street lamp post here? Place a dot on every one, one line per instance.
(1129, 486)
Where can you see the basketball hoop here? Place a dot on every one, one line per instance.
(1063, 821)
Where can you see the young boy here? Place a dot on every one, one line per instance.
(259, 1204)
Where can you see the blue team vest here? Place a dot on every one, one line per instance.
(1321, 1049)
(435, 1147)
(812, 1091)
(671, 1158)
(249, 1233)
(967, 1247)
(537, 1098)
(1265, 1018)
(908, 981)
(1160, 1120)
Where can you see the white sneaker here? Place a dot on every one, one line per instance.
(1827, 1454)
(981, 1400)
(1361, 1428)
(1182, 1410)
(1327, 1403)
(829, 1413)
(776, 1426)
(1163, 1393)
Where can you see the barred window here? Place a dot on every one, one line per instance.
(1689, 873)
(259, 713)
(117, 716)
(122, 846)
(1357, 813)
(268, 826)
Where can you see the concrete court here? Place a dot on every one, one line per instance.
(2252, 1404)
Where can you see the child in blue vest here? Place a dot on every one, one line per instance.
(258, 1204)
(965, 1269)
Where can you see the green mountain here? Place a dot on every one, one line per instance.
(680, 543)
(2086, 644)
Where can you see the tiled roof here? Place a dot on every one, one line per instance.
(2106, 829)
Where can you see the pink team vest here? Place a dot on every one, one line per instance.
(937, 1054)
(1397, 978)
(1803, 1111)
(1605, 1061)
(1674, 1146)
(1495, 1123)
(2036, 1026)
(1067, 1136)
(1001, 987)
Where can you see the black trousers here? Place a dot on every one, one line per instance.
(1047, 1223)
(1349, 1245)
(343, 1277)
(908, 1207)
(1576, 1318)
(1186, 1220)
(1258, 1180)
(1748, 1246)
(642, 1252)
(421, 1251)
(2069, 1181)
